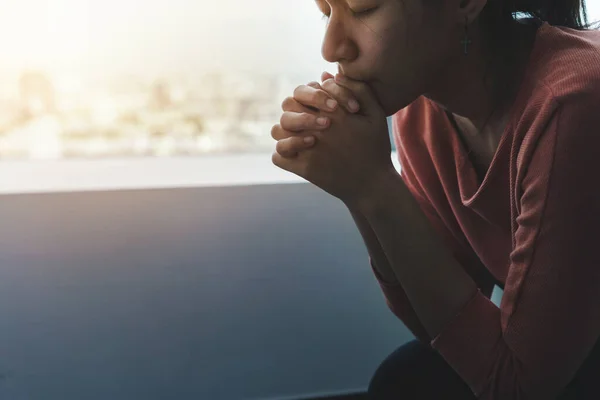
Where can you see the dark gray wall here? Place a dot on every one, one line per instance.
(211, 293)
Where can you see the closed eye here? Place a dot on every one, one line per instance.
(363, 13)
(358, 14)
(355, 13)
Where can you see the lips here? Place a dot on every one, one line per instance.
(341, 72)
(355, 77)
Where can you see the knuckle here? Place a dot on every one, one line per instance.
(341, 94)
(323, 96)
(290, 147)
(308, 120)
(316, 96)
(284, 147)
(280, 147)
(275, 131)
(276, 159)
(287, 103)
(284, 121)
(298, 91)
(328, 83)
(292, 121)
(332, 89)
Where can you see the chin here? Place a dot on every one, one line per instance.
(392, 105)
(389, 100)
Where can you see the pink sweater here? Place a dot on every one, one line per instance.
(532, 225)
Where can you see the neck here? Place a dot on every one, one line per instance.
(480, 86)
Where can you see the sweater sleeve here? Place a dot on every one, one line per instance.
(549, 320)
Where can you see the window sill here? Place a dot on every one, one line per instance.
(142, 173)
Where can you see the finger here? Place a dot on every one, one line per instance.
(290, 104)
(278, 133)
(283, 162)
(315, 85)
(343, 95)
(364, 95)
(295, 122)
(326, 75)
(290, 147)
(313, 97)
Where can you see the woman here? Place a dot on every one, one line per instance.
(497, 125)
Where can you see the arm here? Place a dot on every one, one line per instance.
(534, 345)
(416, 254)
(398, 303)
(395, 295)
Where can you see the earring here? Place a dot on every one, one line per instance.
(466, 41)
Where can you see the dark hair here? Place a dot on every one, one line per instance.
(498, 14)
(567, 13)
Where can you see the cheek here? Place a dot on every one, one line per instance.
(381, 54)
(375, 59)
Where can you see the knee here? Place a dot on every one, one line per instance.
(415, 371)
(400, 374)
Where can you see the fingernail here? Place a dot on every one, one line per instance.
(331, 103)
(322, 121)
(309, 140)
(339, 77)
(353, 105)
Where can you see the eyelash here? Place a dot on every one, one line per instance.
(364, 12)
(354, 13)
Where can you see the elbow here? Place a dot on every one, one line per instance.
(520, 384)
(518, 393)
(413, 324)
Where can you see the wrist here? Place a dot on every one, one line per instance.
(379, 189)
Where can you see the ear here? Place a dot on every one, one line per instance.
(467, 11)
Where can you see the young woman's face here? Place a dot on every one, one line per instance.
(399, 47)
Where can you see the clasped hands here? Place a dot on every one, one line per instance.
(343, 147)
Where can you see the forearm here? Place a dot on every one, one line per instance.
(378, 257)
(395, 296)
(435, 283)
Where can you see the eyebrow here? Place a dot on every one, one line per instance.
(323, 2)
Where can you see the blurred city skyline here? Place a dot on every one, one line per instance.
(89, 78)
(130, 78)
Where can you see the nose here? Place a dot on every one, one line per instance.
(337, 45)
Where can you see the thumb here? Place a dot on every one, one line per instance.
(370, 105)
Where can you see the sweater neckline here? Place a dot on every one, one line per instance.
(470, 184)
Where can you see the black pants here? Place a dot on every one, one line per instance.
(415, 371)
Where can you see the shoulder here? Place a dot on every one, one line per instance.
(415, 129)
(566, 61)
(557, 155)
(425, 150)
(560, 98)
